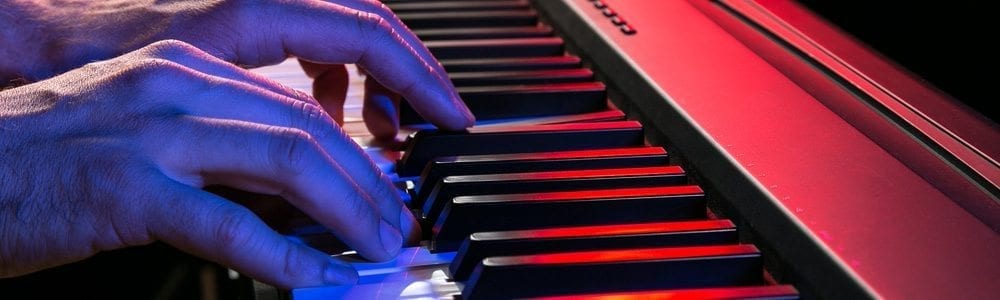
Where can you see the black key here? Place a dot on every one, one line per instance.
(440, 6)
(501, 102)
(510, 63)
(461, 79)
(535, 162)
(508, 277)
(601, 116)
(761, 292)
(469, 214)
(481, 245)
(418, 20)
(475, 33)
(482, 48)
(425, 145)
(550, 181)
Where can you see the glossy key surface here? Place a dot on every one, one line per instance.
(425, 145)
(536, 162)
(519, 101)
(469, 214)
(761, 292)
(509, 277)
(548, 181)
(481, 245)
(510, 63)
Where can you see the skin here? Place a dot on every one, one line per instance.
(131, 107)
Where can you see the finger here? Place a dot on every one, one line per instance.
(196, 59)
(261, 106)
(329, 87)
(402, 30)
(381, 104)
(279, 161)
(380, 111)
(218, 96)
(370, 41)
(218, 230)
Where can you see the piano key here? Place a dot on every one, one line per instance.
(461, 79)
(474, 33)
(432, 19)
(763, 292)
(537, 161)
(441, 6)
(481, 245)
(499, 102)
(549, 181)
(601, 116)
(509, 47)
(510, 63)
(425, 145)
(465, 215)
(509, 277)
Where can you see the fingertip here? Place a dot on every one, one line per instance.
(338, 273)
(409, 227)
(391, 238)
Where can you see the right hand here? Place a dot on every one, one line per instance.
(114, 154)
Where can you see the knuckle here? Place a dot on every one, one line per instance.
(235, 227)
(290, 148)
(374, 28)
(151, 69)
(314, 120)
(294, 262)
(170, 49)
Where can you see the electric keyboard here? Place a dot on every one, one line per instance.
(638, 149)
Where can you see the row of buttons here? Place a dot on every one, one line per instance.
(614, 17)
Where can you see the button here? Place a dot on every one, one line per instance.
(608, 12)
(627, 29)
(599, 4)
(617, 20)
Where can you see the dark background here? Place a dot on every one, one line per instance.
(944, 42)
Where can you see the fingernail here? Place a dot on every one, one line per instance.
(392, 240)
(409, 227)
(339, 273)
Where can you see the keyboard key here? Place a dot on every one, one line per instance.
(478, 33)
(765, 292)
(437, 19)
(469, 214)
(550, 181)
(510, 63)
(441, 6)
(522, 77)
(482, 48)
(425, 145)
(481, 245)
(536, 162)
(509, 277)
(501, 102)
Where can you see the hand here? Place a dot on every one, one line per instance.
(113, 154)
(324, 35)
